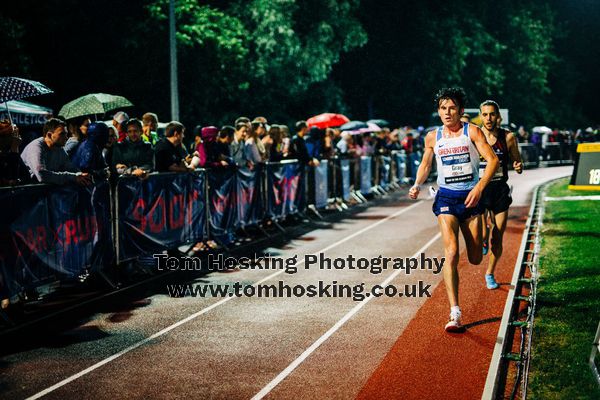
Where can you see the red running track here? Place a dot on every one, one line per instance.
(428, 363)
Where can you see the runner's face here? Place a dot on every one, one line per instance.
(489, 117)
(449, 112)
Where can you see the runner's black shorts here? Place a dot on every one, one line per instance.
(496, 197)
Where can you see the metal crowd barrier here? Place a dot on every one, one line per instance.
(133, 217)
(536, 155)
(339, 180)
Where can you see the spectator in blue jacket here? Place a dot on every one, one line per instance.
(88, 157)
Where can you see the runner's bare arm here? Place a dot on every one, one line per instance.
(486, 152)
(513, 149)
(425, 167)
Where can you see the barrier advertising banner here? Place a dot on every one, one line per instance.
(285, 189)
(52, 233)
(160, 212)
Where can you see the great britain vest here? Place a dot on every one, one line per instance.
(457, 161)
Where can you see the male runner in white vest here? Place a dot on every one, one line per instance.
(456, 146)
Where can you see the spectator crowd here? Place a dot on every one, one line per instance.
(81, 151)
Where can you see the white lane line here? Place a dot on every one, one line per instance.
(571, 198)
(284, 374)
(203, 311)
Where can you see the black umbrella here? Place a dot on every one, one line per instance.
(353, 125)
(382, 123)
(18, 88)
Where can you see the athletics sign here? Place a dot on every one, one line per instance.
(586, 174)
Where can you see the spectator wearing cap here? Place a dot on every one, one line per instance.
(465, 118)
(169, 153)
(88, 157)
(242, 119)
(46, 159)
(133, 156)
(150, 127)
(120, 122)
(12, 169)
(77, 128)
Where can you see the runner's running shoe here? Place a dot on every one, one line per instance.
(490, 282)
(454, 324)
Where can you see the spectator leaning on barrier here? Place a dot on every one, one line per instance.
(193, 147)
(258, 131)
(150, 125)
(224, 141)
(107, 151)
(120, 123)
(169, 152)
(214, 149)
(285, 139)
(46, 159)
(77, 128)
(12, 169)
(298, 148)
(88, 157)
(313, 140)
(237, 148)
(253, 153)
(275, 144)
(328, 149)
(133, 156)
(393, 141)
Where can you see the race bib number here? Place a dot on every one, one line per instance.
(457, 168)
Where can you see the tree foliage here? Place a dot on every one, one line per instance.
(289, 59)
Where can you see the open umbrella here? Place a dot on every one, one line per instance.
(381, 122)
(327, 120)
(353, 126)
(371, 128)
(94, 103)
(12, 88)
(541, 129)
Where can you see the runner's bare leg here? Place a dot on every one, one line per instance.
(471, 230)
(449, 228)
(497, 236)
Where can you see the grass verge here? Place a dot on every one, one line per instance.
(568, 302)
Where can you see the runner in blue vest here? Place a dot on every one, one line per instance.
(496, 196)
(456, 146)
